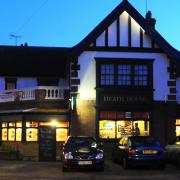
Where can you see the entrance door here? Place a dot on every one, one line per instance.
(47, 143)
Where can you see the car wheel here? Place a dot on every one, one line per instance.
(125, 163)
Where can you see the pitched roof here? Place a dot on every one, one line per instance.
(126, 6)
(33, 61)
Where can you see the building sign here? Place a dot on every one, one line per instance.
(123, 99)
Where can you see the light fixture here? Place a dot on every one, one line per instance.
(54, 123)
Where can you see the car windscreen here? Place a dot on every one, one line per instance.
(144, 141)
(81, 142)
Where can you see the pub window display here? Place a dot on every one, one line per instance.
(117, 129)
(118, 124)
(11, 131)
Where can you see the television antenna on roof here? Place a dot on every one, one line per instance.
(146, 5)
(15, 37)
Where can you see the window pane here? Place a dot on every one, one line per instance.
(107, 74)
(18, 134)
(19, 124)
(4, 134)
(107, 129)
(178, 122)
(11, 124)
(31, 124)
(61, 134)
(4, 124)
(129, 128)
(124, 75)
(177, 130)
(31, 134)
(11, 134)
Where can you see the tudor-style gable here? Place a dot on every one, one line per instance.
(124, 32)
(123, 28)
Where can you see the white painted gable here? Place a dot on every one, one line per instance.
(124, 34)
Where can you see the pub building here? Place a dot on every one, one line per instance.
(125, 79)
(122, 79)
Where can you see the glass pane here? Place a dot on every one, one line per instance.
(11, 134)
(4, 124)
(11, 124)
(31, 134)
(129, 128)
(177, 121)
(107, 129)
(61, 134)
(31, 124)
(19, 124)
(177, 130)
(4, 134)
(18, 134)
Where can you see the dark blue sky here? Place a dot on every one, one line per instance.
(66, 22)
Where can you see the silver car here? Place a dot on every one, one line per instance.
(173, 151)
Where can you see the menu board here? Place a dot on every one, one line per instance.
(47, 144)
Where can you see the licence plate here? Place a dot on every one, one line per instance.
(85, 162)
(150, 152)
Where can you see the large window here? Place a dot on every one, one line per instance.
(118, 74)
(118, 124)
(12, 131)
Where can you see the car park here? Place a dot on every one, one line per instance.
(82, 152)
(173, 150)
(139, 150)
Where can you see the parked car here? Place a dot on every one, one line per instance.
(139, 150)
(173, 150)
(82, 152)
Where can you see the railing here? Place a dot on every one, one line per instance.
(43, 92)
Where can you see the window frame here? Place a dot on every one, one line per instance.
(132, 63)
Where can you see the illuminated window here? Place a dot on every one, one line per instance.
(12, 131)
(31, 134)
(107, 129)
(4, 134)
(31, 131)
(61, 134)
(178, 127)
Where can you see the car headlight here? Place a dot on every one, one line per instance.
(100, 156)
(68, 155)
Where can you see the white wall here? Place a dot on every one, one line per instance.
(87, 73)
(63, 83)
(112, 34)
(23, 83)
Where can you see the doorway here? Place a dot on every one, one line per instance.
(47, 143)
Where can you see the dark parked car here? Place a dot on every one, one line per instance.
(173, 150)
(139, 150)
(82, 152)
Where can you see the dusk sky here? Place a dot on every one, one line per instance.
(64, 23)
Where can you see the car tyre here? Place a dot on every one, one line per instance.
(125, 163)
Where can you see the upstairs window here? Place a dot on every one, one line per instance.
(136, 75)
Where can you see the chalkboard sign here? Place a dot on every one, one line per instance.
(47, 144)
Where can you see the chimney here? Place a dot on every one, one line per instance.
(150, 21)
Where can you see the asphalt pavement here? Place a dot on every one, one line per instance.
(26, 170)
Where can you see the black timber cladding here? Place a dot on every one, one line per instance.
(33, 61)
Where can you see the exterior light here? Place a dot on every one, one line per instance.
(54, 123)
